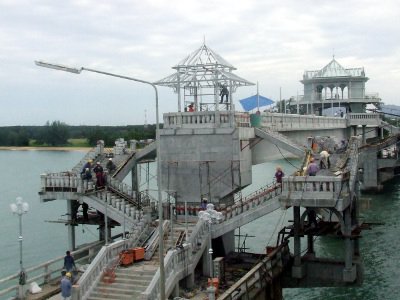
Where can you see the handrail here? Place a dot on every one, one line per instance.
(49, 269)
(106, 256)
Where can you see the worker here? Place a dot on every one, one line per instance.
(279, 174)
(87, 170)
(66, 286)
(312, 168)
(325, 162)
(100, 181)
(203, 205)
(110, 166)
(69, 262)
(191, 107)
(224, 92)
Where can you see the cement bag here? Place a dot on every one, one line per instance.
(34, 288)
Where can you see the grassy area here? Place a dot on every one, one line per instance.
(71, 143)
(78, 143)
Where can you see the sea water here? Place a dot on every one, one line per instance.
(42, 240)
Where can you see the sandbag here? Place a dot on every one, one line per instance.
(34, 288)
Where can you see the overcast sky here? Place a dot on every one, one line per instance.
(272, 42)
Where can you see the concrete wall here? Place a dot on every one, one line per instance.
(210, 162)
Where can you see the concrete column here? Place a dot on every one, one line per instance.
(189, 281)
(71, 228)
(349, 272)
(364, 138)
(381, 133)
(298, 270)
(228, 239)
(175, 292)
(310, 244)
(206, 262)
(134, 178)
(297, 242)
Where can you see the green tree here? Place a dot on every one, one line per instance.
(55, 133)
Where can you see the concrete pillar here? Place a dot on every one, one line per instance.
(364, 138)
(207, 262)
(228, 239)
(134, 178)
(189, 281)
(211, 292)
(310, 245)
(381, 133)
(298, 270)
(71, 228)
(175, 292)
(349, 272)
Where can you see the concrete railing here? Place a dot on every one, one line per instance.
(355, 119)
(174, 264)
(285, 122)
(63, 182)
(48, 271)
(206, 119)
(106, 258)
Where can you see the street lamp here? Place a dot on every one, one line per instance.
(160, 209)
(20, 208)
(210, 216)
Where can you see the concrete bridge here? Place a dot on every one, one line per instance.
(216, 152)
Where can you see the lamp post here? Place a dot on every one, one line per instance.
(160, 210)
(210, 216)
(20, 208)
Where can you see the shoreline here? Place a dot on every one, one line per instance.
(30, 148)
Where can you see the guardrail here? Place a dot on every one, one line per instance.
(47, 271)
(206, 119)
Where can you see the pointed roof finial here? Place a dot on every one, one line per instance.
(333, 53)
(204, 39)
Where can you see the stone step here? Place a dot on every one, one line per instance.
(104, 295)
(115, 292)
(125, 284)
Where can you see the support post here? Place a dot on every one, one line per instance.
(298, 270)
(71, 228)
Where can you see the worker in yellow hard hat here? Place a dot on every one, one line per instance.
(66, 286)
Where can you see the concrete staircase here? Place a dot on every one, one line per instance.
(129, 283)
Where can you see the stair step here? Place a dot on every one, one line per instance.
(110, 292)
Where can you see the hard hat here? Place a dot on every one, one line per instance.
(110, 159)
(68, 274)
(98, 163)
(90, 160)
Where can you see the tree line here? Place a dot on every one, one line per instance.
(57, 133)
